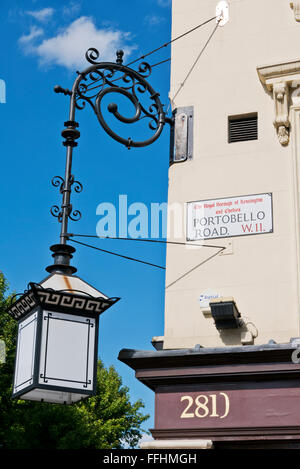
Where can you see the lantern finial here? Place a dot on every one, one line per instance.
(62, 254)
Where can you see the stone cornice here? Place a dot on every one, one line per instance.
(282, 72)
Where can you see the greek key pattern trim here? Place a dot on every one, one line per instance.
(60, 301)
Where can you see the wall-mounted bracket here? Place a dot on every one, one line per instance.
(181, 145)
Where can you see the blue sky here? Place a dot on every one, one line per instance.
(43, 44)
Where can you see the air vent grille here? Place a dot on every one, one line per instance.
(242, 128)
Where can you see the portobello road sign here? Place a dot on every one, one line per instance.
(228, 217)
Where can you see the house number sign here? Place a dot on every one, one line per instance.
(203, 406)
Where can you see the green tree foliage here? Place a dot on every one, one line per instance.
(107, 420)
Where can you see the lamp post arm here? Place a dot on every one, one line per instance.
(98, 81)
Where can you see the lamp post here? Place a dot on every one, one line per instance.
(58, 318)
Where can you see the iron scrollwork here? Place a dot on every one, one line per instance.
(107, 78)
(58, 181)
(74, 215)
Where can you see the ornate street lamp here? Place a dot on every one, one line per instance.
(57, 345)
(58, 318)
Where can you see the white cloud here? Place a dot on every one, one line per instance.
(71, 9)
(68, 47)
(42, 15)
(28, 39)
(153, 20)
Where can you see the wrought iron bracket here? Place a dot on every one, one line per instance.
(107, 79)
(95, 85)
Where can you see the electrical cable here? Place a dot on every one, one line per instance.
(194, 268)
(161, 47)
(118, 255)
(196, 61)
(171, 41)
(159, 63)
(220, 249)
(145, 240)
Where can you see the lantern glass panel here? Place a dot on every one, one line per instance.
(24, 369)
(67, 351)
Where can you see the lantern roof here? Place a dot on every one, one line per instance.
(72, 283)
(61, 292)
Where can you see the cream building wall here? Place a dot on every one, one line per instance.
(260, 272)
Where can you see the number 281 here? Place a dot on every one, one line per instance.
(205, 406)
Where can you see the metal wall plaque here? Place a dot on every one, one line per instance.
(229, 217)
(181, 145)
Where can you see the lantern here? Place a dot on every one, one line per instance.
(57, 343)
